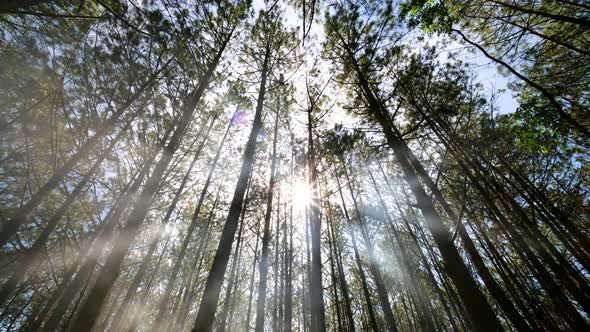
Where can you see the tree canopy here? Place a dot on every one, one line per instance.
(337, 165)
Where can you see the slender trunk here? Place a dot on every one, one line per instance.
(140, 274)
(33, 255)
(438, 267)
(261, 302)
(562, 303)
(91, 307)
(206, 313)
(35, 322)
(495, 290)
(336, 303)
(88, 257)
(190, 288)
(288, 324)
(284, 269)
(402, 255)
(135, 312)
(357, 258)
(163, 306)
(318, 318)
(520, 293)
(252, 278)
(485, 186)
(481, 314)
(373, 267)
(276, 265)
(306, 287)
(10, 227)
(342, 278)
(236, 262)
(481, 182)
(442, 297)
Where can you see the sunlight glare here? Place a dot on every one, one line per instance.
(301, 194)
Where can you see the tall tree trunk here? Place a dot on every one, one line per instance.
(342, 278)
(288, 324)
(485, 186)
(495, 290)
(252, 278)
(443, 298)
(284, 269)
(202, 251)
(520, 293)
(373, 267)
(10, 227)
(357, 258)
(91, 307)
(488, 188)
(318, 318)
(336, 302)
(261, 302)
(163, 306)
(276, 294)
(306, 275)
(206, 313)
(481, 315)
(231, 285)
(140, 274)
(88, 257)
(402, 255)
(433, 263)
(32, 256)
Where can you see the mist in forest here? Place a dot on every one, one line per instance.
(302, 165)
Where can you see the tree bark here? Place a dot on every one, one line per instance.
(336, 304)
(342, 278)
(206, 313)
(68, 289)
(373, 267)
(163, 306)
(140, 274)
(402, 255)
(232, 284)
(482, 316)
(9, 228)
(288, 323)
(367, 293)
(261, 302)
(318, 318)
(33, 254)
(91, 307)
(252, 278)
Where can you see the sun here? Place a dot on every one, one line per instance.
(301, 194)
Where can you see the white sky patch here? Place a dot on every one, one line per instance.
(484, 71)
(301, 194)
(487, 74)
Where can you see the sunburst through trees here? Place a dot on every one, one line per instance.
(238, 165)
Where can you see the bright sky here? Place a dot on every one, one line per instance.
(486, 72)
